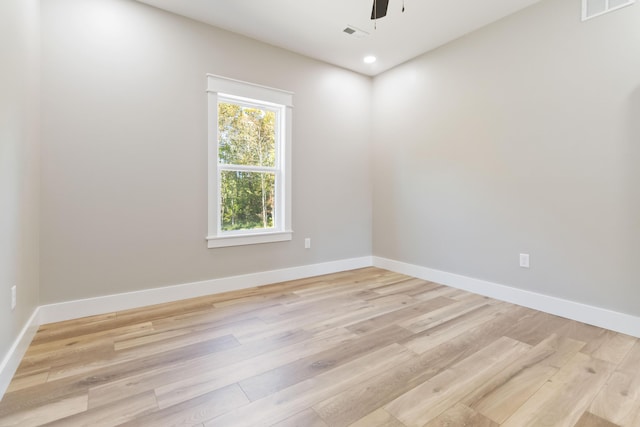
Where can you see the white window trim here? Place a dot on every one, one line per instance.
(585, 7)
(230, 88)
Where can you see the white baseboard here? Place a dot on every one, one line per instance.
(13, 357)
(602, 317)
(125, 301)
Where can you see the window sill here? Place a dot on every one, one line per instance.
(248, 239)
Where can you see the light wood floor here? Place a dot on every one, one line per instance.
(364, 348)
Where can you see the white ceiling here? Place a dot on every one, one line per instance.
(315, 28)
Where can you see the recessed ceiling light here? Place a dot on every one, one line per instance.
(369, 59)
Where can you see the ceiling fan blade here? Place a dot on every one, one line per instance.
(379, 9)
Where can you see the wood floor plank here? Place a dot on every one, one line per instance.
(590, 420)
(453, 327)
(309, 307)
(411, 311)
(378, 418)
(615, 348)
(183, 369)
(50, 331)
(207, 342)
(72, 386)
(356, 402)
(307, 418)
(45, 413)
(51, 347)
(336, 316)
(194, 411)
(72, 355)
(375, 307)
(201, 382)
(503, 394)
(72, 328)
(363, 348)
(72, 352)
(276, 379)
(537, 326)
(31, 380)
(174, 334)
(566, 396)
(218, 315)
(253, 302)
(388, 278)
(592, 335)
(290, 401)
(407, 286)
(111, 415)
(461, 415)
(436, 317)
(442, 291)
(619, 400)
(632, 360)
(249, 335)
(431, 398)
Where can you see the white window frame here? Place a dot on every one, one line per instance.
(607, 9)
(223, 88)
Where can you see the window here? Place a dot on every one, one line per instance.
(249, 163)
(593, 8)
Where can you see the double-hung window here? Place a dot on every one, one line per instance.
(249, 163)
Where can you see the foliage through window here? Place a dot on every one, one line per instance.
(246, 156)
(249, 165)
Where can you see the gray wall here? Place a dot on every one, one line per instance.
(19, 168)
(124, 194)
(521, 137)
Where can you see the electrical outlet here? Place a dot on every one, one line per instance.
(307, 243)
(13, 297)
(524, 260)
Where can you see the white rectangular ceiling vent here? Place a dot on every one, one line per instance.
(593, 8)
(355, 32)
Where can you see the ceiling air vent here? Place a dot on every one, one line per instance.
(355, 32)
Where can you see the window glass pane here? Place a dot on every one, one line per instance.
(246, 200)
(246, 135)
(617, 3)
(596, 6)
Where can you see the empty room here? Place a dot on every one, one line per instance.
(320, 214)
